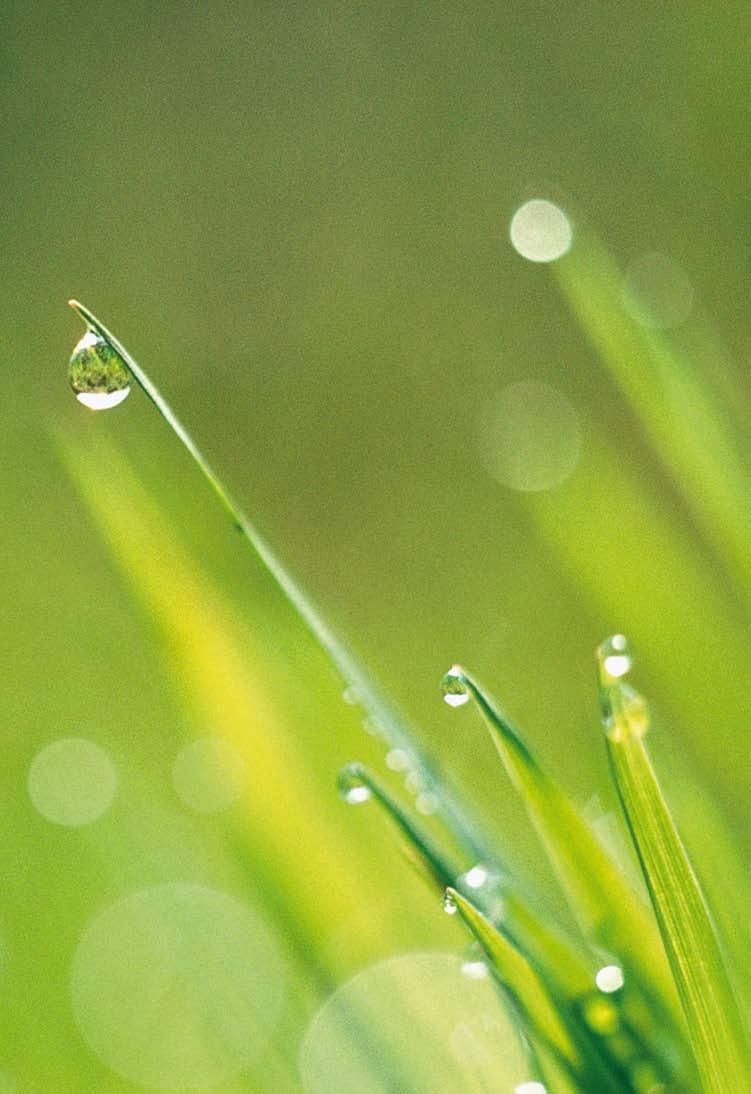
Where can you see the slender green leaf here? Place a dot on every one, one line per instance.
(605, 906)
(465, 829)
(712, 1016)
(524, 984)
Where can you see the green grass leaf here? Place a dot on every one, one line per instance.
(688, 933)
(606, 908)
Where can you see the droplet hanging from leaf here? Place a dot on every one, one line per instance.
(98, 375)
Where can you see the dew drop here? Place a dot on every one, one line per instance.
(427, 804)
(98, 375)
(351, 696)
(352, 785)
(625, 713)
(474, 970)
(455, 690)
(615, 656)
(449, 903)
(530, 1088)
(398, 760)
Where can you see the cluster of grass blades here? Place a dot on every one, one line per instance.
(637, 999)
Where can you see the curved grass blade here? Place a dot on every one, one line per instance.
(607, 909)
(688, 933)
(465, 829)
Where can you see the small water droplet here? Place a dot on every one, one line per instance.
(351, 696)
(625, 713)
(454, 687)
(414, 781)
(530, 1088)
(609, 978)
(615, 657)
(474, 970)
(427, 804)
(449, 904)
(398, 760)
(98, 375)
(353, 786)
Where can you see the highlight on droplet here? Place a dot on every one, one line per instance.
(529, 436)
(540, 231)
(353, 785)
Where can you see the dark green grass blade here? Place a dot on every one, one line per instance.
(688, 933)
(465, 829)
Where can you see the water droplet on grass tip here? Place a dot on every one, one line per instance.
(449, 903)
(353, 787)
(454, 687)
(625, 713)
(98, 375)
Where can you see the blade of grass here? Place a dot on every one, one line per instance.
(465, 829)
(606, 908)
(688, 933)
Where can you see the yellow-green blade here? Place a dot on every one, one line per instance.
(688, 933)
(607, 909)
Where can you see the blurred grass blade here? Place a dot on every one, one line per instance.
(465, 829)
(605, 906)
(714, 1023)
(687, 423)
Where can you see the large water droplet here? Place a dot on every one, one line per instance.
(353, 786)
(98, 375)
(454, 687)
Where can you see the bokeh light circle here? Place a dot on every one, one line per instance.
(72, 781)
(530, 436)
(209, 775)
(177, 987)
(416, 1012)
(540, 231)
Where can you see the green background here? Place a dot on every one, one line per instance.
(296, 218)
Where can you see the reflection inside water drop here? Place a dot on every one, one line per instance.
(97, 374)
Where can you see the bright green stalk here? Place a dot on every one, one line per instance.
(464, 829)
(688, 933)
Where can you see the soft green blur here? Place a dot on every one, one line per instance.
(297, 218)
